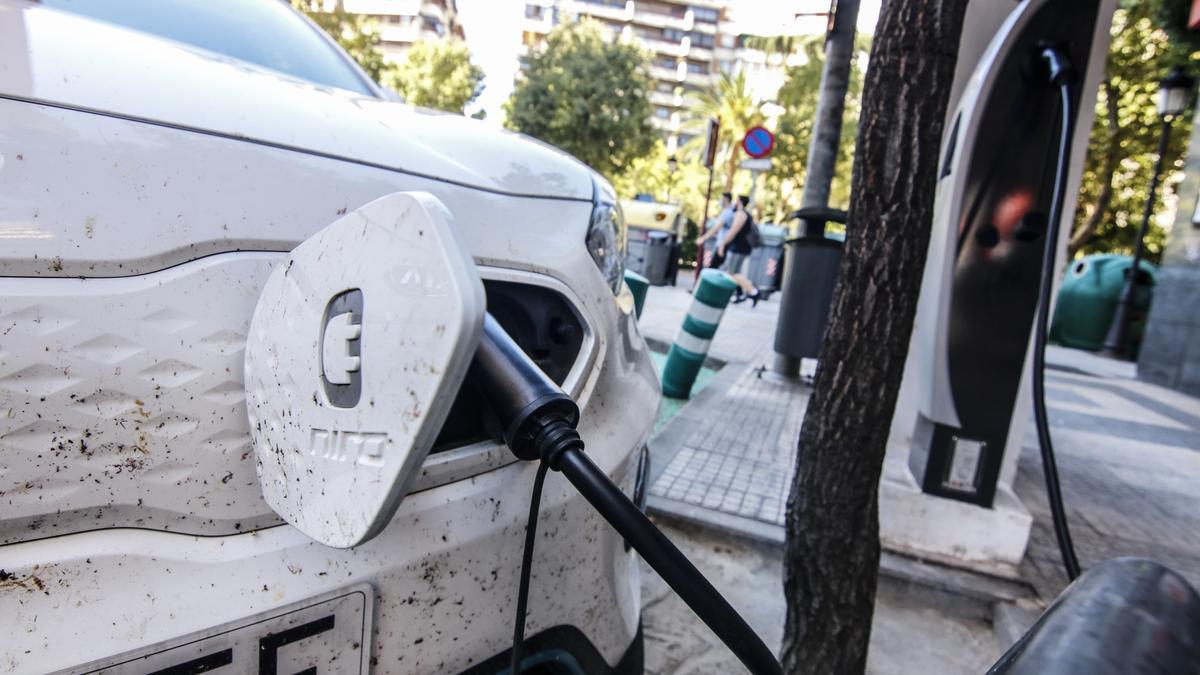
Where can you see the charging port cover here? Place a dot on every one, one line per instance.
(359, 343)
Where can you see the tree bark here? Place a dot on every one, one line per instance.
(1112, 150)
(832, 549)
(831, 107)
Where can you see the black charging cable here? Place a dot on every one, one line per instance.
(1059, 72)
(538, 421)
(535, 502)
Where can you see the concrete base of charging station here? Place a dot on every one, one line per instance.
(954, 533)
(911, 523)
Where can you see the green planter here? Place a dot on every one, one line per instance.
(1087, 300)
(691, 343)
(638, 285)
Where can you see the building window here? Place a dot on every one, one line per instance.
(433, 23)
(662, 113)
(606, 3)
(694, 67)
(664, 87)
(673, 35)
(664, 62)
(706, 14)
(534, 11)
(677, 11)
(648, 33)
(702, 40)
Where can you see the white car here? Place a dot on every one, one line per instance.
(151, 175)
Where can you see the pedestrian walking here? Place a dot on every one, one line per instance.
(735, 247)
(717, 228)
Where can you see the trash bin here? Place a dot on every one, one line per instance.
(765, 268)
(649, 254)
(656, 261)
(1087, 300)
(635, 249)
(813, 260)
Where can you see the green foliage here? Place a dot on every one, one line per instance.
(586, 96)
(1123, 144)
(439, 75)
(685, 186)
(784, 185)
(1172, 15)
(355, 33)
(729, 100)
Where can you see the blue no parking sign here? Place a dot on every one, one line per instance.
(758, 142)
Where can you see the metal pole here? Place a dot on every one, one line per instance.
(1116, 343)
(703, 227)
(822, 156)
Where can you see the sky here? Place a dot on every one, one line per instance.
(493, 32)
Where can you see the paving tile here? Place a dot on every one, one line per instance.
(1129, 452)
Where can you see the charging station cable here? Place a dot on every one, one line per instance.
(539, 421)
(1059, 72)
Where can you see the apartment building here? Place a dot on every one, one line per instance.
(690, 41)
(403, 22)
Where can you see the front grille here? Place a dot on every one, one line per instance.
(542, 322)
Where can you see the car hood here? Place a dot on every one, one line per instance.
(52, 57)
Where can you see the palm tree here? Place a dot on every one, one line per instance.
(728, 99)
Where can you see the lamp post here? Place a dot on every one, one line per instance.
(672, 166)
(1173, 93)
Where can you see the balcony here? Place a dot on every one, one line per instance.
(671, 124)
(541, 25)
(663, 20)
(600, 11)
(406, 34)
(664, 47)
(700, 53)
(437, 9)
(667, 74)
(384, 7)
(698, 79)
(662, 98)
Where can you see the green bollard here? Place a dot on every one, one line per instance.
(691, 343)
(638, 285)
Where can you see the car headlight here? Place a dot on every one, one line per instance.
(606, 234)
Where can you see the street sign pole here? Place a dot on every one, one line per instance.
(710, 158)
(756, 167)
(758, 144)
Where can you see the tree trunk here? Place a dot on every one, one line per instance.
(831, 107)
(832, 549)
(1112, 150)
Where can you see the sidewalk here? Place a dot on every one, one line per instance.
(1128, 452)
(1128, 456)
(727, 458)
(951, 640)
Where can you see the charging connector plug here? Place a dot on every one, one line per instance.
(539, 421)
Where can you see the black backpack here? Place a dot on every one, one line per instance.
(750, 232)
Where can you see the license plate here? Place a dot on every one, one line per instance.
(329, 633)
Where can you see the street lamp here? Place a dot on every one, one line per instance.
(672, 165)
(1173, 93)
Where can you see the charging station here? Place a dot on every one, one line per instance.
(966, 395)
